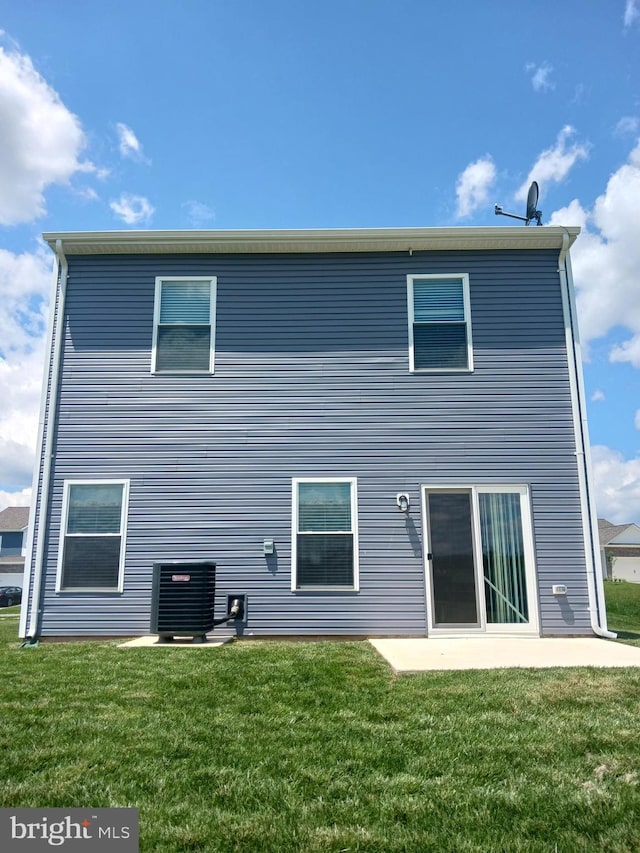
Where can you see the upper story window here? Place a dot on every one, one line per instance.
(94, 515)
(439, 323)
(184, 325)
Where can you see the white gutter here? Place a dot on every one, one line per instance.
(595, 587)
(49, 390)
(310, 240)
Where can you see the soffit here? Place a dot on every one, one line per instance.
(316, 240)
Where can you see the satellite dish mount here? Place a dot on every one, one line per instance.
(532, 204)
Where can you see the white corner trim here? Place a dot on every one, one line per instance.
(40, 488)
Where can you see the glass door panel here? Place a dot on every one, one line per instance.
(503, 558)
(453, 572)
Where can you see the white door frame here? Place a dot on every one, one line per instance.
(532, 627)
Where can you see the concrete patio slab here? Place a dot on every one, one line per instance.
(154, 642)
(423, 654)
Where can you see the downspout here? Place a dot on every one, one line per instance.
(47, 422)
(595, 586)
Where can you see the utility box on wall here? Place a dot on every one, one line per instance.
(183, 595)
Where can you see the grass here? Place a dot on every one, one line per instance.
(274, 746)
(623, 610)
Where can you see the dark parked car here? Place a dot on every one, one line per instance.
(10, 595)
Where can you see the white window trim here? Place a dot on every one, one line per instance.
(467, 319)
(124, 511)
(213, 281)
(354, 530)
(532, 627)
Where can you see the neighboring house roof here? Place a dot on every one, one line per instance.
(618, 534)
(14, 519)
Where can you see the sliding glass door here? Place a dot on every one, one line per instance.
(480, 573)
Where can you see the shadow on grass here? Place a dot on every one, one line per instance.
(631, 638)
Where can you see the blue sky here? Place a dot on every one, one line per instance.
(359, 113)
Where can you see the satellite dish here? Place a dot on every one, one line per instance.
(532, 204)
(532, 201)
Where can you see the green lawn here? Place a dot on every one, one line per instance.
(274, 746)
(623, 609)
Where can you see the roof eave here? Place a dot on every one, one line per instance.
(310, 240)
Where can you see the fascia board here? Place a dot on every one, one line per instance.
(313, 240)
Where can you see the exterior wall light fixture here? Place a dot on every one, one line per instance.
(403, 502)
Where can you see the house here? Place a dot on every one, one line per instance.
(13, 527)
(620, 550)
(371, 432)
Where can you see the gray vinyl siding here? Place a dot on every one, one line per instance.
(312, 379)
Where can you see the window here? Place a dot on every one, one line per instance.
(439, 322)
(94, 525)
(11, 545)
(325, 547)
(184, 325)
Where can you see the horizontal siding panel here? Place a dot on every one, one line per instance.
(312, 379)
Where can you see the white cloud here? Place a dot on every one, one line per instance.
(199, 214)
(473, 185)
(627, 126)
(86, 194)
(598, 396)
(540, 75)
(129, 144)
(579, 93)
(627, 351)
(554, 164)
(617, 482)
(25, 281)
(606, 260)
(631, 12)
(40, 140)
(606, 264)
(20, 498)
(636, 421)
(24, 289)
(132, 209)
